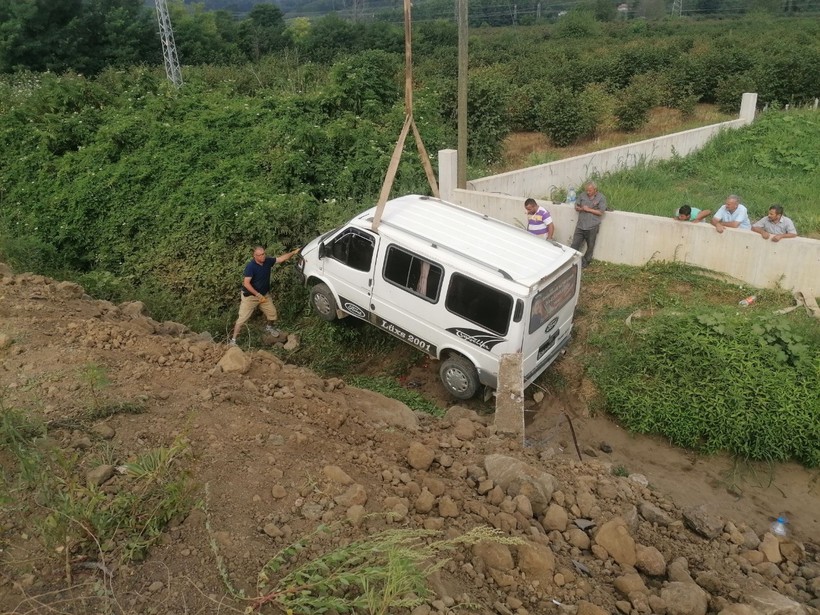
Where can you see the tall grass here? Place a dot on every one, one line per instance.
(775, 160)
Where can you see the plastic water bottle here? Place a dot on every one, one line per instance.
(778, 526)
(571, 196)
(747, 301)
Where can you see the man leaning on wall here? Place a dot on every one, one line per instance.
(775, 226)
(591, 207)
(732, 214)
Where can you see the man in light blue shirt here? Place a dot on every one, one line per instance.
(731, 215)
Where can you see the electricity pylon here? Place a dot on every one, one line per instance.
(677, 8)
(169, 48)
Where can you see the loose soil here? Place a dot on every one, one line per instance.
(274, 450)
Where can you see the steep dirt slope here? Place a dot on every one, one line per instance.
(276, 450)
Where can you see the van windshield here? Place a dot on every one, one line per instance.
(479, 303)
(552, 298)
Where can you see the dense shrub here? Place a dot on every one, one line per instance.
(635, 102)
(566, 117)
(718, 381)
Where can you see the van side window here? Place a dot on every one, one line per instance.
(353, 248)
(412, 273)
(477, 302)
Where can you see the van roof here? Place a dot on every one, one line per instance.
(478, 242)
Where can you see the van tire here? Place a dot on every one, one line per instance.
(459, 377)
(323, 302)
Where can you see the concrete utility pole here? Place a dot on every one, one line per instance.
(169, 48)
(461, 181)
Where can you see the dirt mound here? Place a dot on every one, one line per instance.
(276, 450)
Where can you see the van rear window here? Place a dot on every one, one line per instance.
(551, 299)
(479, 303)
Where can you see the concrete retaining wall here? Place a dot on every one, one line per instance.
(636, 239)
(538, 181)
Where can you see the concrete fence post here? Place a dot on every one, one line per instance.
(447, 173)
(748, 105)
(509, 400)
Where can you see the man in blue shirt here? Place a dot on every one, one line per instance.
(255, 289)
(731, 215)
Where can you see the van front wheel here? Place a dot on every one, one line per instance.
(323, 302)
(459, 377)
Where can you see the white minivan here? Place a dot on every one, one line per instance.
(460, 286)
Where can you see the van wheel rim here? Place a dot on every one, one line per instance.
(322, 304)
(457, 380)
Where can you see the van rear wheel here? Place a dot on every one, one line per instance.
(323, 302)
(459, 377)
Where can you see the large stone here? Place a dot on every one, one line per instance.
(555, 518)
(425, 502)
(464, 429)
(419, 456)
(447, 507)
(537, 561)
(355, 494)
(630, 583)
(650, 561)
(700, 520)
(519, 478)
(337, 475)
(684, 599)
(99, 475)
(678, 571)
(615, 538)
(738, 609)
(793, 551)
(69, 290)
(587, 608)
(235, 360)
(380, 409)
(578, 538)
(655, 514)
(494, 555)
(768, 602)
(5, 341)
(770, 548)
(133, 309)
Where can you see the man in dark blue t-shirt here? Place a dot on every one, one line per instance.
(255, 289)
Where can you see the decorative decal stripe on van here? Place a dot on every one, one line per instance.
(480, 338)
(413, 340)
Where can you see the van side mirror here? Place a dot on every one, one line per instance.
(322, 250)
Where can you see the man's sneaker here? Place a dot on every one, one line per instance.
(273, 331)
(232, 342)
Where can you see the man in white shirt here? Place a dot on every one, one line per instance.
(731, 215)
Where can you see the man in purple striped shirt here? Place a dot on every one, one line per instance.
(539, 221)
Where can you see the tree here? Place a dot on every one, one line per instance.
(263, 31)
(81, 35)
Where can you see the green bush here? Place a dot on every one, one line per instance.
(635, 102)
(718, 381)
(565, 116)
